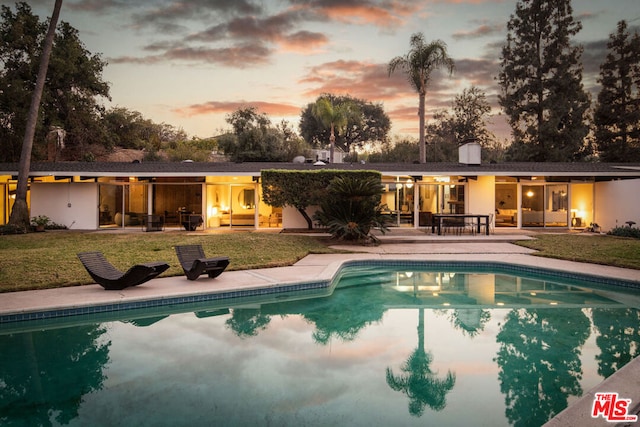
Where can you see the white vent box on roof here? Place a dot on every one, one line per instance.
(469, 153)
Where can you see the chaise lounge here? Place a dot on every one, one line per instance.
(111, 278)
(195, 263)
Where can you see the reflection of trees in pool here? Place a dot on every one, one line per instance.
(46, 373)
(246, 322)
(539, 360)
(470, 321)
(419, 383)
(619, 339)
(341, 315)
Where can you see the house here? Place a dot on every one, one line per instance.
(94, 195)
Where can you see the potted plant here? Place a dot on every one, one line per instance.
(40, 222)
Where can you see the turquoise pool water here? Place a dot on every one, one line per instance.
(395, 345)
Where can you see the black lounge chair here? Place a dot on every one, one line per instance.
(194, 263)
(111, 278)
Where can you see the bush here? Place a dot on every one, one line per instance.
(353, 209)
(625, 232)
(12, 229)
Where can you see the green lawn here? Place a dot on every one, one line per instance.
(592, 248)
(48, 260)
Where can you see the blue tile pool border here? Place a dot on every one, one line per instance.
(452, 266)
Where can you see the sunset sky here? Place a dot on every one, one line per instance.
(190, 63)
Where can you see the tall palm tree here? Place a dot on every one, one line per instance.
(20, 211)
(336, 117)
(418, 63)
(419, 382)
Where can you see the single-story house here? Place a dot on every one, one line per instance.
(95, 195)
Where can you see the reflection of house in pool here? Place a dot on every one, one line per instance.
(542, 195)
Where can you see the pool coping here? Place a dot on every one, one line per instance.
(321, 268)
(307, 274)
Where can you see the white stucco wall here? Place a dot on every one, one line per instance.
(617, 202)
(291, 218)
(481, 195)
(72, 204)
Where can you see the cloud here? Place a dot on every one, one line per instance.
(468, 1)
(241, 56)
(381, 13)
(277, 29)
(479, 72)
(484, 29)
(97, 5)
(369, 81)
(218, 107)
(303, 42)
(202, 10)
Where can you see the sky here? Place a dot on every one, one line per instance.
(191, 63)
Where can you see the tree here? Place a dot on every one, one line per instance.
(539, 362)
(617, 115)
(73, 85)
(334, 116)
(419, 382)
(468, 121)
(421, 60)
(20, 211)
(129, 129)
(255, 139)
(371, 126)
(441, 136)
(68, 101)
(399, 151)
(541, 82)
(471, 111)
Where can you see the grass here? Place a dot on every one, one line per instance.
(48, 260)
(592, 248)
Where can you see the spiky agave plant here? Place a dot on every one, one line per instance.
(353, 209)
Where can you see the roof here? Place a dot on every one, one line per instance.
(171, 169)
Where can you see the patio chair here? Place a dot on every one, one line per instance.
(195, 263)
(490, 224)
(111, 278)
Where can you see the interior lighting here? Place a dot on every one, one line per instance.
(409, 183)
(530, 193)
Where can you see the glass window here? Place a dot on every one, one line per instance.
(581, 205)
(533, 205)
(506, 205)
(557, 205)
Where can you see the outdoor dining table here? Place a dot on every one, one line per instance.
(437, 221)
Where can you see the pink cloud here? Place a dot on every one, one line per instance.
(226, 107)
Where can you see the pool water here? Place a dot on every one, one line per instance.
(390, 346)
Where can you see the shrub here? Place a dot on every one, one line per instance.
(625, 232)
(12, 229)
(353, 209)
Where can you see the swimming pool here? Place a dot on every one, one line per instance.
(399, 345)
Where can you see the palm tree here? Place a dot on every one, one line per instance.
(333, 116)
(418, 63)
(20, 211)
(419, 382)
